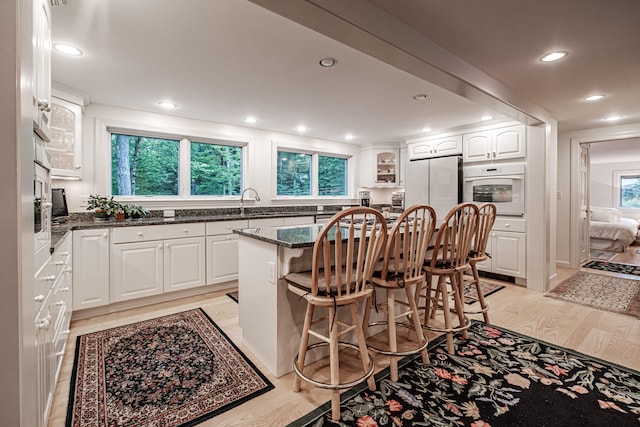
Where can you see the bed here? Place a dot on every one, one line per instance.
(609, 231)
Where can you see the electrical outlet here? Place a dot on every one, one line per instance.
(84, 201)
(271, 272)
(169, 213)
(320, 208)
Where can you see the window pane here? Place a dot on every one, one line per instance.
(294, 174)
(630, 191)
(216, 170)
(144, 166)
(332, 176)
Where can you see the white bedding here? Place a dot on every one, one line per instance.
(624, 231)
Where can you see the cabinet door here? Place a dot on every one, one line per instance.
(486, 265)
(509, 143)
(184, 263)
(45, 359)
(222, 258)
(420, 149)
(137, 270)
(447, 146)
(91, 271)
(508, 253)
(477, 146)
(42, 69)
(386, 167)
(66, 131)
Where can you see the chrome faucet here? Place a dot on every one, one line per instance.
(242, 198)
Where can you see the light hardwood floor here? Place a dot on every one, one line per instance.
(608, 336)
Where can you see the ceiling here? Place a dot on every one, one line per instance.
(224, 60)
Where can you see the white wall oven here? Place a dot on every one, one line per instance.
(501, 184)
(41, 198)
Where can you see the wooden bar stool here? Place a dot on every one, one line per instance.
(478, 253)
(448, 261)
(344, 256)
(401, 270)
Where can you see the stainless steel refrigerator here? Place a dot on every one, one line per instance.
(436, 182)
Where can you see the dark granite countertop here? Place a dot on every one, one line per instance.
(290, 236)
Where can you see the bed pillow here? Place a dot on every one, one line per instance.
(605, 214)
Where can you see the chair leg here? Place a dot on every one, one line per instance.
(334, 363)
(304, 342)
(391, 330)
(483, 304)
(367, 314)
(427, 297)
(442, 286)
(457, 284)
(362, 345)
(417, 325)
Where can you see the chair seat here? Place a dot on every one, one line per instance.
(300, 283)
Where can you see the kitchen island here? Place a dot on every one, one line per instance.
(270, 316)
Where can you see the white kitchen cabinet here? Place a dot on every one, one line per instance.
(495, 144)
(151, 260)
(222, 252)
(45, 362)
(404, 162)
(65, 147)
(424, 148)
(91, 268)
(42, 69)
(379, 167)
(507, 249)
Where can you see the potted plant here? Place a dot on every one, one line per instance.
(135, 211)
(104, 207)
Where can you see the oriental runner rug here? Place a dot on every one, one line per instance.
(495, 378)
(176, 370)
(599, 291)
(614, 267)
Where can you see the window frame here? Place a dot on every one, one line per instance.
(183, 199)
(617, 180)
(349, 157)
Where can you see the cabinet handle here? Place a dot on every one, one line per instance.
(507, 225)
(64, 289)
(494, 154)
(77, 167)
(69, 269)
(185, 230)
(39, 298)
(488, 155)
(44, 105)
(64, 253)
(104, 234)
(229, 237)
(160, 246)
(59, 303)
(59, 263)
(49, 278)
(140, 233)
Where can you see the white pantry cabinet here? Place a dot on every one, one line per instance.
(151, 260)
(495, 144)
(42, 69)
(91, 268)
(507, 249)
(424, 148)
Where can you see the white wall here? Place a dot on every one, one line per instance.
(260, 167)
(601, 188)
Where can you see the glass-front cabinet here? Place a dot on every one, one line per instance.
(387, 167)
(379, 167)
(66, 133)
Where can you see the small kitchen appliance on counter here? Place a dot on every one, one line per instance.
(365, 198)
(397, 201)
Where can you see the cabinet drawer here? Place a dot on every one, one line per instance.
(507, 224)
(225, 227)
(156, 232)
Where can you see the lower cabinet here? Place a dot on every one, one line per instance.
(91, 268)
(507, 249)
(137, 270)
(222, 252)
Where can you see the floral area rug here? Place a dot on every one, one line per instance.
(233, 295)
(614, 267)
(176, 370)
(496, 378)
(599, 291)
(471, 294)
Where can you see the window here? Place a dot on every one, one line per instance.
(156, 166)
(630, 191)
(296, 174)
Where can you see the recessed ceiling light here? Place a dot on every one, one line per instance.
(594, 97)
(67, 49)
(553, 56)
(486, 117)
(250, 119)
(613, 118)
(427, 129)
(302, 128)
(420, 97)
(328, 62)
(349, 137)
(167, 104)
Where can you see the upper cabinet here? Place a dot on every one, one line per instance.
(379, 167)
(42, 69)
(66, 131)
(424, 148)
(495, 144)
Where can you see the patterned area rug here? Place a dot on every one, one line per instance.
(176, 370)
(600, 291)
(602, 255)
(496, 378)
(471, 295)
(233, 295)
(614, 267)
